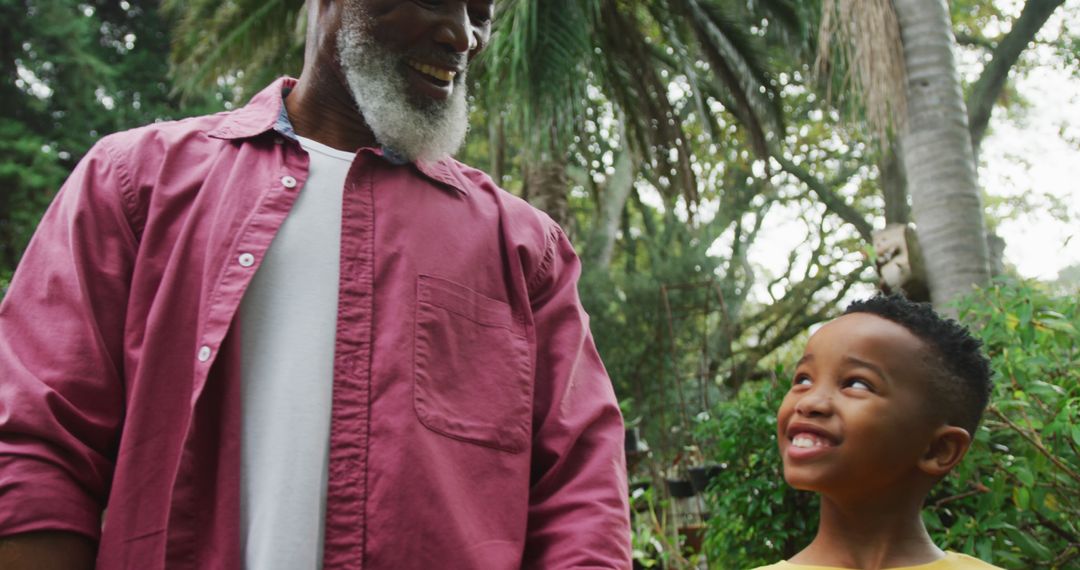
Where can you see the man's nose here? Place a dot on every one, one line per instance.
(455, 30)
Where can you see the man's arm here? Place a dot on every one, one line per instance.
(47, 551)
(61, 352)
(578, 511)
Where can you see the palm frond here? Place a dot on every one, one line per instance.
(251, 39)
(864, 35)
(539, 60)
(737, 58)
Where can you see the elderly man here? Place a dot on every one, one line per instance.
(299, 335)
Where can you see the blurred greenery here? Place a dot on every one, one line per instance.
(764, 520)
(1015, 501)
(74, 71)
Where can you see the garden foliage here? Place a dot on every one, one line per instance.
(1015, 500)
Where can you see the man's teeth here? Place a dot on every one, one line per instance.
(436, 72)
(807, 441)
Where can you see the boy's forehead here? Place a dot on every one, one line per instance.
(869, 336)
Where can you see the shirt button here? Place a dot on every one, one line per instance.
(204, 354)
(288, 182)
(246, 260)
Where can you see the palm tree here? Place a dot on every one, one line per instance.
(939, 133)
(900, 54)
(552, 63)
(246, 43)
(940, 161)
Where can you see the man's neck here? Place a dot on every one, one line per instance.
(872, 534)
(321, 108)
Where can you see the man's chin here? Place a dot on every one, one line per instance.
(419, 128)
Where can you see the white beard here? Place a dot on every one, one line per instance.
(428, 132)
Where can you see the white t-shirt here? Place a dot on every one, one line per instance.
(288, 321)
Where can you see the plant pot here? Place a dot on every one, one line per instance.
(702, 475)
(680, 488)
(633, 441)
(693, 537)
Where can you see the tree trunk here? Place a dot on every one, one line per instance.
(601, 245)
(938, 157)
(547, 186)
(497, 147)
(894, 185)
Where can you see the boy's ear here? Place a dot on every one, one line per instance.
(946, 449)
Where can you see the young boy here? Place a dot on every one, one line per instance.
(883, 404)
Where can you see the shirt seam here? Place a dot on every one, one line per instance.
(128, 202)
(549, 258)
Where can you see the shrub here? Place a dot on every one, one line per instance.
(1015, 500)
(756, 517)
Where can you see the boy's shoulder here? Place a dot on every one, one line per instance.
(952, 561)
(957, 561)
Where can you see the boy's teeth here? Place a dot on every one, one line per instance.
(437, 73)
(806, 441)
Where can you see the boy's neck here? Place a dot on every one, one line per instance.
(886, 532)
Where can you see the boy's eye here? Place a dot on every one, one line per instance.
(802, 380)
(860, 385)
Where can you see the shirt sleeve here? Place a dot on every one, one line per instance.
(61, 354)
(578, 505)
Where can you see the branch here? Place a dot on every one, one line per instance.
(973, 40)
(1068, 536)
(988, 87)
(833, 201)
(1038, 444)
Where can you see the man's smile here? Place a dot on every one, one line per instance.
(442, 74)
(433, 81)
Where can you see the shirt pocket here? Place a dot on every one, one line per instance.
(472, 378)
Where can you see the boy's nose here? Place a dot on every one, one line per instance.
(815, 403)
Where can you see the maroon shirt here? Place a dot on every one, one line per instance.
(473, 424)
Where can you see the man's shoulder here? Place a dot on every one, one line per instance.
(164, 135)
(523, 216)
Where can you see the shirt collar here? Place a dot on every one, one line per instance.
(266, 111)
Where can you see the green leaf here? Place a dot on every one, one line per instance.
(1029, 546)
(1056, 325)
(1021, 498)
(1025, 476)
(985, 549)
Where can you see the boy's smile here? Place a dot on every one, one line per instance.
(855, 420)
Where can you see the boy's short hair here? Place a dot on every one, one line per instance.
(960, 393)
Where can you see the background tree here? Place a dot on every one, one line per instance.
(939, 139)
(74, 71)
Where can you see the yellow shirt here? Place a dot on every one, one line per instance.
(952, 561)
